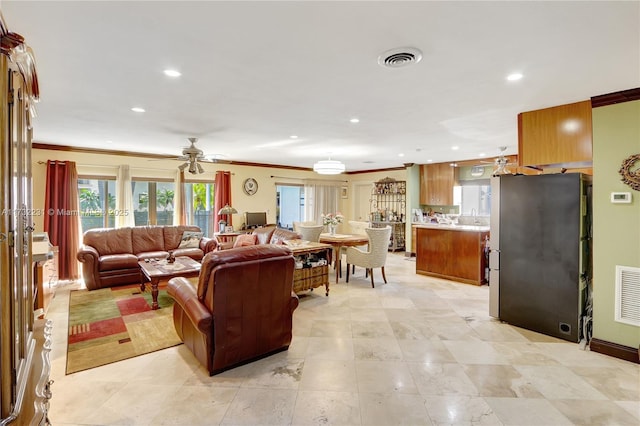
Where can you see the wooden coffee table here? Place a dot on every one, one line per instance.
(157, 269)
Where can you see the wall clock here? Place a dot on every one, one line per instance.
(250, 186)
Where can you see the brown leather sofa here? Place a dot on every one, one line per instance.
(110, 256)
(266, 235)
(273, 235)
(241, 309)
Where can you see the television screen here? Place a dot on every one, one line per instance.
(254, 220)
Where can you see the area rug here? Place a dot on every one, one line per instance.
(114, 324)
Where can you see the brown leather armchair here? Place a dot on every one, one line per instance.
(242, 308)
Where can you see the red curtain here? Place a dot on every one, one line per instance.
(181, 207)
(61, 221)
(223, 197)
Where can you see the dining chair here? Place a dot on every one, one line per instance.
(376, 254)
(310, 232)
(356, 227)
(296, 225)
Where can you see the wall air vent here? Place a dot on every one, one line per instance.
(627, 295)
(400, 57)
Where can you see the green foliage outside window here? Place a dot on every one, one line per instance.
(200, 196)
(89, 200)
(164, 198)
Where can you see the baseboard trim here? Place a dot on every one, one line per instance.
(615, 350)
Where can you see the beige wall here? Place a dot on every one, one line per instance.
(263, 200)
(616, 236)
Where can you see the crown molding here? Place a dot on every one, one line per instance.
(52, 147)
(615, 98)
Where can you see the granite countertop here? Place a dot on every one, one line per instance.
(473, 228)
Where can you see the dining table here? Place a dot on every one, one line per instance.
(337, 241)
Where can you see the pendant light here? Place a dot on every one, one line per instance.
(328, 167)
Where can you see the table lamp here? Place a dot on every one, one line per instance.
(226, 210)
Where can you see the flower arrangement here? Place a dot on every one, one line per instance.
(332, 219)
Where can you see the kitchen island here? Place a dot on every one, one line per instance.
(454, 252)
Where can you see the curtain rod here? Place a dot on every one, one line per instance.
(83, 165)
(308, 180)
(115, 167)
(107, 166)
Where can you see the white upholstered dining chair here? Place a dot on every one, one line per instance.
(296, 225)
(310, 232)
(375, 256)
(356, 227)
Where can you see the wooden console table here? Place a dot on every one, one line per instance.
(45, 273)
(310, 275)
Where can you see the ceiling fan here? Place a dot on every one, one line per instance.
(500, 163)
(193, 156)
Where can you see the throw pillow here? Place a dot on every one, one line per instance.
(245, 240)
(190, 239)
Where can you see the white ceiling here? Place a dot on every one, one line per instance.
(255, 73)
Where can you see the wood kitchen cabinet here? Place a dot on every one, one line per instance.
(452, 252)
(413, 240)
(557, 136)
(436, 184)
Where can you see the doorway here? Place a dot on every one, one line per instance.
(289, 205)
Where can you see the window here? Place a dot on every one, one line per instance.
(290, 205)
(152, 202)
(200, 202)
(97, 202)
(476, 198)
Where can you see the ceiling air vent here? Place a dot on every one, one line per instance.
(400, 57)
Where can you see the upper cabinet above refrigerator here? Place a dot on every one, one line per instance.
(559, 136)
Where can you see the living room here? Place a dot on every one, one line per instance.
(416, 350)
(465, 300)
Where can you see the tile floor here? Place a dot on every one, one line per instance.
(416, 351)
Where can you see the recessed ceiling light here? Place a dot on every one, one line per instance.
(355, 120)
(455, 148)
(482, 154)
(109, 141)
(137, 109)
(429, 161)
(294, 136)
(401, 155)
(514, 77)
(172, 73)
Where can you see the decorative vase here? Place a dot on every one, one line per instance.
(332, 229)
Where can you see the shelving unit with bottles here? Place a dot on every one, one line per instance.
(388, 208)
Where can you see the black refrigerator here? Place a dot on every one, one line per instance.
(540, 252)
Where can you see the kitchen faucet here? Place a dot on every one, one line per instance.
(474, 214)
